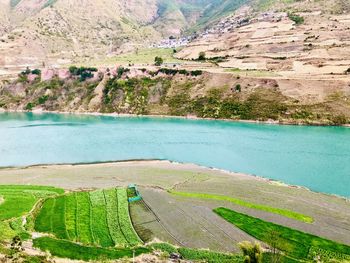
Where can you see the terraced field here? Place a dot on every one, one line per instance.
(18, 201)
(99, 218)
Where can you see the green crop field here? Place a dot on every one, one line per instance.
(294, 243)
(18, 201)
(278, 211)
(92, 218)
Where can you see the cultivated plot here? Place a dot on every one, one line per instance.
(98, 218)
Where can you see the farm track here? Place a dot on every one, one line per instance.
(157, 219)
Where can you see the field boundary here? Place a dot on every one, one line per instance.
(278, 211)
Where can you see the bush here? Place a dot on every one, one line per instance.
(29, 106)
(252, 252)
(36, 72)
(196, 73)
(43, 99)
(296, 18)
(121, 71)
(201, 56)
(83, 72)
(238, 88)
(158, 61)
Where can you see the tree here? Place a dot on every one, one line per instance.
(158, 61)
(201, 56)
(275, 243)
(238, 88)
(252, 252)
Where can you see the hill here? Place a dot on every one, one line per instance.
(54, 32)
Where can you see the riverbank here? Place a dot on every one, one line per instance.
(167, 92)
(190, 117)
(171, 164)
(155, 178)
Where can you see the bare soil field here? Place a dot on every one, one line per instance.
(189, 221)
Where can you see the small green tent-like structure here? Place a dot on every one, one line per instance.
(136, 196)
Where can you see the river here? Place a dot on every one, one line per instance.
(314, 157)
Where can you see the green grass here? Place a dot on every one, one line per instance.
(67, 249)
(278, 211)
(294, 243)
(209, 256)
(197, 255)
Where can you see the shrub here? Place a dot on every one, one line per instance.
(196, 73)
(36, 71)
(83, 72)
(43, 99)
(296, 18)
(121, 71)
(29, 106)
(238, 88)
(201, 56)
(158, 61)
(252, 252)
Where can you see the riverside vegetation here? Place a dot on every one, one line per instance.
(167, 92)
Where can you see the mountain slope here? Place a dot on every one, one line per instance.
(51, 32)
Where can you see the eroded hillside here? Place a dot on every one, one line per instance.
(163, 91)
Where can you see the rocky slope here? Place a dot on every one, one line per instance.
(176, 92)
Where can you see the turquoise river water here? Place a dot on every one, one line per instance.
(315, 157)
